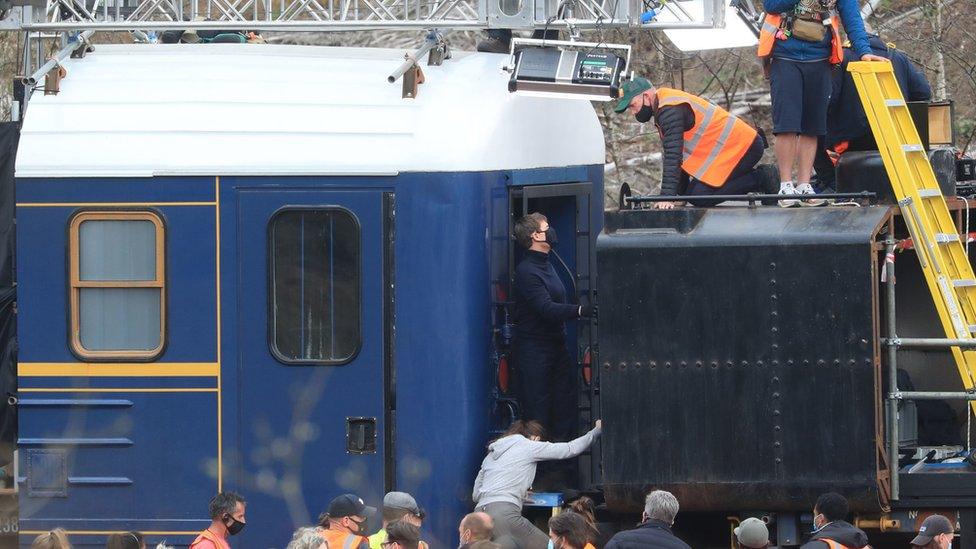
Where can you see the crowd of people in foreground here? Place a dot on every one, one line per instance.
(572, 528)
(500, 489)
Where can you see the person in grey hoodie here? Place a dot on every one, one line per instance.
(508, 471)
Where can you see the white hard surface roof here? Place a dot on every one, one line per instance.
(229, 109)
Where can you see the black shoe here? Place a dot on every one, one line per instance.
(493, 44)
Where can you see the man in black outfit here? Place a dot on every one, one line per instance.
(544, 369)
(830, 525)
(654, 531)
(847, 125)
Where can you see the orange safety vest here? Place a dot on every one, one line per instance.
(771, 24)
(717, 141)
(342, 540)
(218, 542)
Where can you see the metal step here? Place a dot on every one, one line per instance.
(929, 193)
(945, 238)
(913, 148)
(894, 103)
(964, 283)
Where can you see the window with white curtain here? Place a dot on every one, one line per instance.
(117, 285)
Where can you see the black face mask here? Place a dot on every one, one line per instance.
(363, 526)
(645, 114)
(551, 237)
(234, 527)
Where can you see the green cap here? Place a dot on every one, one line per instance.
(631, 89)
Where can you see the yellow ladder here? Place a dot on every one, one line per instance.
(937, 242)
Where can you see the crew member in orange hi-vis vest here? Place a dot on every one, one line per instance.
(830, 527)
(706, 149)
(345, 523)
(227, 519)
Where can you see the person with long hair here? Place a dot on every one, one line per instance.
(508, 471)
(569, 530)
(586, 508)
(55, 539)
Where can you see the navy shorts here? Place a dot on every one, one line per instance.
(800, 93)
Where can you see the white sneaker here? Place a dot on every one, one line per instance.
(787, 189)
(807, 190)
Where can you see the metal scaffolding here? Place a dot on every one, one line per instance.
(893, 343)
(341, 15)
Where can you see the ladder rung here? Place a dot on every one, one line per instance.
(929, 193)
(969, 283)
(943, 238)
(972, 328)
(894, 103)
(913, 148)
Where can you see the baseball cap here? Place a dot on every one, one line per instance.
(931, 527)
(752, 533)
(348, 505)
(631, 89)
(402, 500)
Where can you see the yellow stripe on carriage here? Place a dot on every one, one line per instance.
(108, 204)
(118, 390)
(118, 369)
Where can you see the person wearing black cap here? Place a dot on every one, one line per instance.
(706, 149)
(344, 525)
(936, 532)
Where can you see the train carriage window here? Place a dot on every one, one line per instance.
(314, 286)
(117, 285)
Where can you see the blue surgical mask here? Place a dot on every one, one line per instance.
(551, 545)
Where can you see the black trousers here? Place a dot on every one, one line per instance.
(826, 172)
(546, 385)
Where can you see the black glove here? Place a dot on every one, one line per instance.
(587, 311)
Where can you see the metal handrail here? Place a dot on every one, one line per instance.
(749, 197)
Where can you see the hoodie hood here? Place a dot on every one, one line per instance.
(879, 46)
(843, 533)
(502, 445)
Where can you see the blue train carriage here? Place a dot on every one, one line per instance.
(259, 268)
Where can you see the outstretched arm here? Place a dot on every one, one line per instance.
(542, 451)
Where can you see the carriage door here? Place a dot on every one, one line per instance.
(311, 364)
(569, 209)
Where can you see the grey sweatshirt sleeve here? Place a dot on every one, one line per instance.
(476, 491)
(542, 451)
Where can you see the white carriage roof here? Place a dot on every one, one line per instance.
(229, 109)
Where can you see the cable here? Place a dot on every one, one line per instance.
(572, 277)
